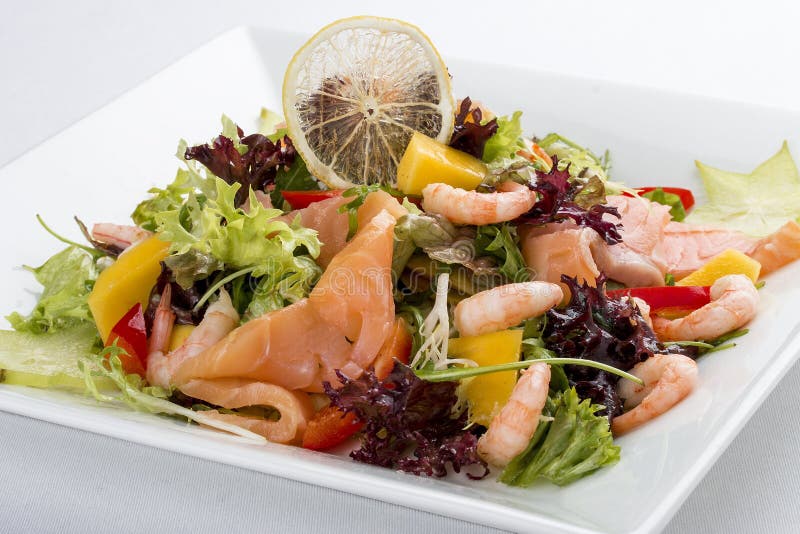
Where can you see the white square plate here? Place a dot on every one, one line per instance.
(101, 167)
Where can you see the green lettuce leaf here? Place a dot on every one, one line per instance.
(268, 122)
(756, 204)
(501, 242)
(506, 141)
(219, 235)
(237, 238)
(418, 230)
(67, 279)
(668, 199)
(168, 199)
(575, 443)
(578, 158)
(286, 285)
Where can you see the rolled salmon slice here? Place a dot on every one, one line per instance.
(293, 407)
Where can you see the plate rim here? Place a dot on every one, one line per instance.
(506, 516)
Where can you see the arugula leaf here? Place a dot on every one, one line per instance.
(295, 178)
(575, 443)
(756, 204)
(68, 278)
(668, 199)
(507, 140)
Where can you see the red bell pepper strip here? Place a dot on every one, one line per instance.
(130, 334)
(672, 299)
(686, 196)
(302, 199)
(331, 426)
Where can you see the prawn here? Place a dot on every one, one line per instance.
(504, 306)
(512, 429)
(734, 301)
(119, 235)
(668, 378)
(471, 207)
(220, 318)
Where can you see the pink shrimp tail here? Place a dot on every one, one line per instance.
(163, 322)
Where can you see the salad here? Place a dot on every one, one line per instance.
(388, 270)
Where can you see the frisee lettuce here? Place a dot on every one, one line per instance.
(67, 279)
(576, 156)
(218, 234)
(507, 140)
(238, 238)
(570, 442)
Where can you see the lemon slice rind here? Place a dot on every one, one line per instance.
(358, 147)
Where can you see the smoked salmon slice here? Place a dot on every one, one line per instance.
(341, 325)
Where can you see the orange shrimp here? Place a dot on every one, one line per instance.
(504, 306)
(734, 302)
(471, 207)
(668, 378)
(512, 429)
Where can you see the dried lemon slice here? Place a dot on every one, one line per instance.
(356, 92)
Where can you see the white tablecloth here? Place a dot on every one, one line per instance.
(62, 60)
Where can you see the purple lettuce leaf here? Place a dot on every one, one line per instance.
(408, 423)
(595, 327)
(557, 203)
(256, 168)
(471, 136)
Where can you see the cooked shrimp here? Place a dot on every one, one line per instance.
(162, 323)
(504, 306)
(668, 378)
(734, 300)
(220, 318)
(512, 429)
(119, 235)
(471, 207)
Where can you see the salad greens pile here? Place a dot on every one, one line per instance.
(229, 227)
(67, 279)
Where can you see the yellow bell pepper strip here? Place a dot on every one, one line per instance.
(427, 161)
(487, 394)
(126, 282)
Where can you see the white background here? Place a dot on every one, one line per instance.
(62, 60)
